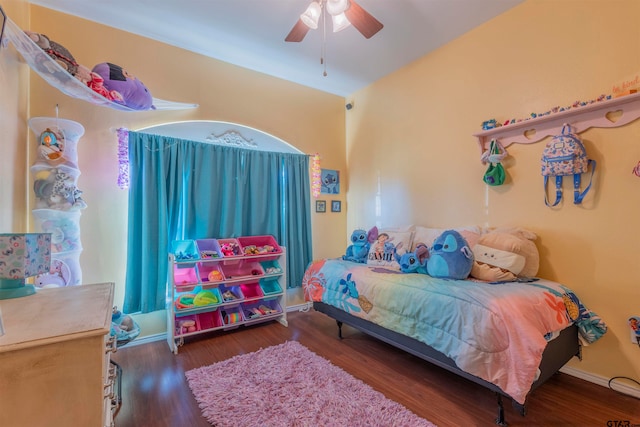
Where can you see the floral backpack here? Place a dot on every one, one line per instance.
(565, 155)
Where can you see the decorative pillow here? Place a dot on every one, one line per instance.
(382, 249)
(428, 235)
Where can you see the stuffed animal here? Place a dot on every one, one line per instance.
(56, 51)
(135, 94)
(413, 262)
(504, 255)
(450, 257)
(360, 243)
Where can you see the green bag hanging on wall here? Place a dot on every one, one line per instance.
(494, 174)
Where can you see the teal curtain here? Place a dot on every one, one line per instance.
(190, 190)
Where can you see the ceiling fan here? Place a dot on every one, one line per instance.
(343, 13)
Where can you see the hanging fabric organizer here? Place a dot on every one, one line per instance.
(606, 114)
(59, 78)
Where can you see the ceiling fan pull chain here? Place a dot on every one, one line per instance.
(324, 45)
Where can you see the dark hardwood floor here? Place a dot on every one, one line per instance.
(155, 392)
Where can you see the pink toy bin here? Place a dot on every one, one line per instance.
(209, 320)
(244, 270)
(208, 271)
(182, 331)
(208, 249)
(259, 242)
(232, 242)
(184, 276)
(251, 291)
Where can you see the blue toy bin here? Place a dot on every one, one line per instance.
(185, 251)
(270, 287)
(208, 249)
(271, 268)
(265, 247)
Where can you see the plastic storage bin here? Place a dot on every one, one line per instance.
(264, 246)
(210, 273)
(230, 248)
(185, 250)
(181, 325)
(251, 291)
(209, 320)
(209, 249)
(231, 294)
(184, 275)
(260, 310)
(270, 287)
(197, 301)
(271, 267)
(232, 317)
(242, 270)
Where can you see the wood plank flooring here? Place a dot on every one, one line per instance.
(155, 392)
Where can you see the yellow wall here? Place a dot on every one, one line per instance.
(310, 120)
(409, 138)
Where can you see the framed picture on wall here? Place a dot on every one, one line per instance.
(321, 206)
(336, 206)
(329, 181)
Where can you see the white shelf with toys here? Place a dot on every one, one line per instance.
(222, 284)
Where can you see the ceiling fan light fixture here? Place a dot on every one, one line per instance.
(340, 22)
(311, 16)
(336, 7)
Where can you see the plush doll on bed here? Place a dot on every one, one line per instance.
(505, 255)
(450, 257)
(413, 262)
(360, 243)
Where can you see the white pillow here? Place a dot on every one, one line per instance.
(381, 253)
(428, 235)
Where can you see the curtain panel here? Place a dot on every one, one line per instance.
(183, 189)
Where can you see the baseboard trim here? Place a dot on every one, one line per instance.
(148, 339)
(599, 380)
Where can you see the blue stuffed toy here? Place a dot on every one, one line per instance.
(360, 243)
(413, 262)
(450, 257)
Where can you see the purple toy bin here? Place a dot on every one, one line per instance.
(260, 310)
(209, 249)
(184, 320)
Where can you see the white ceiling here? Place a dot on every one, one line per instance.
(251, 33)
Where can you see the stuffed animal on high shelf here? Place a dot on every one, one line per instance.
(361, 241)
(450, 257)
(134, 93)
(413, 262)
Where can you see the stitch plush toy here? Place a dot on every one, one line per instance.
(450, 257)
(360, 243)
(413, 262)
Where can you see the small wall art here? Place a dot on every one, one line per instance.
(321, 206)
(336, 206)
(330, 181)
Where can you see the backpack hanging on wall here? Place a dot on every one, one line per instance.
(565, 155)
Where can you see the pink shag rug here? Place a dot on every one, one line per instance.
(289, 385)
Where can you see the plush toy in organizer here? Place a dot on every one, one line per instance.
(413, 262)
(56, 51)
(450, 257)
(505, 255)
(135, 94)
(361, 241)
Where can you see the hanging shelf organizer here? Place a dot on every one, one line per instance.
(605, 114)
(59, 78)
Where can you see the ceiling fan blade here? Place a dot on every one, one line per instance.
(362, 20)
(298, 32)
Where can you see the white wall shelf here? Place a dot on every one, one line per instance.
(605, 114)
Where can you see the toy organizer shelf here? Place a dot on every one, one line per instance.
(222, 284)
(606, 114)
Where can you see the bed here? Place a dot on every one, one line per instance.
(508, 337)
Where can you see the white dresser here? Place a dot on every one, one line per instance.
(54, 358)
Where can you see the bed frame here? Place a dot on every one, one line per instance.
(557, 353)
